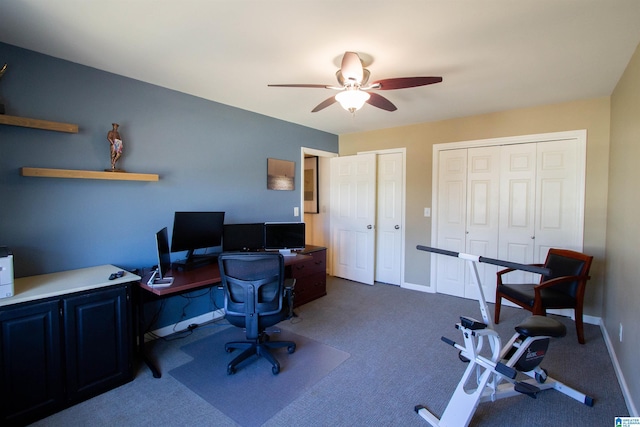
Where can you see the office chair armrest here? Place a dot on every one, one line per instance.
(289, 284)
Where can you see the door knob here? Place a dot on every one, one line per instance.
(397, 227)
(369, 227)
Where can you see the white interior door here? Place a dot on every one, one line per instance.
(353, 214)
(483, 217)
(389, 226)
(517, 208)
(559, 197)
(451, 214)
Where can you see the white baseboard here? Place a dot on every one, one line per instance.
(184, 324)
(633, 411)
(419, 288)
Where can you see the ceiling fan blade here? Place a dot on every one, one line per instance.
(351, 67)
(301, 85)
(405, 82)
(324, 104)
(380, 102)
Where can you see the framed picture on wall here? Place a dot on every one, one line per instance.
(281, 174)
(311, 185)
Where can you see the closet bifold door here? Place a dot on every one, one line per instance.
(451, 216)
(512, 202)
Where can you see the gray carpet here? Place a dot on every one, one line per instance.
(396, 361)
(254, 394)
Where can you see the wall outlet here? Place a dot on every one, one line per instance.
(427, 212)
(296, 211)
(620, 332)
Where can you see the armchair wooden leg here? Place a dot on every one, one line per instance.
(496, 314)
(579, 326)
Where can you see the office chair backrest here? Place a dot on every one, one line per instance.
(253, 282)
(563, 262)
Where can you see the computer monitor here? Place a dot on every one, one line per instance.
(160, 276)
(243, 237)
(196, 230)
(284, 237)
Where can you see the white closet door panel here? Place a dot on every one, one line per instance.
(452, 196)
(483, 216)
(558, 198)
(517, 207)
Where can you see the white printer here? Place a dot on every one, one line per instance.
(6, 272)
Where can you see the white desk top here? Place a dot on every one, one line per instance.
(65, 282)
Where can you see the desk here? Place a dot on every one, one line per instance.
(184, 281)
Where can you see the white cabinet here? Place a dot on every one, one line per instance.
(510, 200)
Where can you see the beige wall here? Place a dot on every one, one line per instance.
(592, 115)
(622, 271)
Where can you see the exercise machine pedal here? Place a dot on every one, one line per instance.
(526, 388)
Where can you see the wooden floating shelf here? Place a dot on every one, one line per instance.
(38, 124)
(80, 174)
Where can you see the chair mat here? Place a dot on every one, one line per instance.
(253, 394)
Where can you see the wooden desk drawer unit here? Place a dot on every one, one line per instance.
(311, 276)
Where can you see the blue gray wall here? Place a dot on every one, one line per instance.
(209, 157)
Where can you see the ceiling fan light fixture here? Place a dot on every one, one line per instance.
(352, 99)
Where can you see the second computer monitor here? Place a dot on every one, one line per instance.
(284, 236)
(243, 237)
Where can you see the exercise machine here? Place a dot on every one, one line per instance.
(493, 370)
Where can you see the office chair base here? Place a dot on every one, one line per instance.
(259, 347)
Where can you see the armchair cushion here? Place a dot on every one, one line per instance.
(551, 298)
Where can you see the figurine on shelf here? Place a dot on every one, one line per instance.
(2, 71)
(116, 147)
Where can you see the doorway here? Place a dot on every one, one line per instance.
(318, 223)
(367, 216)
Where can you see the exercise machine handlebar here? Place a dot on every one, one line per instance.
(517, 266)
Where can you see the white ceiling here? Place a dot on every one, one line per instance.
(493, 55)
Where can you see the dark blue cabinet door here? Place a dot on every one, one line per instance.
(98, 351)
(31, 382)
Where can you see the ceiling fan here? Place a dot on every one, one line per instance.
(355, 89)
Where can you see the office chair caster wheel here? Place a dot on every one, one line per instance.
(228, 350)
(291, 349)
(541, 378)
(275, 370)
(231, 370)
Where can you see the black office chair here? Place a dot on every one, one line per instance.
(256, 297)
(563, 288)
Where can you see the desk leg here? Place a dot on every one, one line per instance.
(141, 329)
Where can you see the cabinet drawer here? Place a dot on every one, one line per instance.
(314, 265)
(310, 287)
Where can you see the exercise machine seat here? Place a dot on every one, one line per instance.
(538, 326)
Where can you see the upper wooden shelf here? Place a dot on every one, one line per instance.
(38, 124)
(81, 174)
